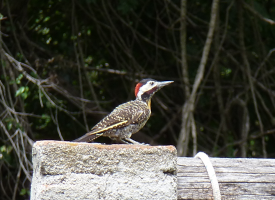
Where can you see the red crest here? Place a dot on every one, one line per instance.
(137, 88)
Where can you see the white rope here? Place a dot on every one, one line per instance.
(211, 173)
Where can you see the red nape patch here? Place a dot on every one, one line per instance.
(137, 88)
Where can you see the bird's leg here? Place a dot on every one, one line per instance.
(117, 139)
(125, 142)
(129, 140)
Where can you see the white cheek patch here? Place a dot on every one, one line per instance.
(139, 95)
(140, 92)
(144, 89)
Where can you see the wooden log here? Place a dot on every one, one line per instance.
(240, 178)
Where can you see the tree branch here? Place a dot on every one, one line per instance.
(188, 108)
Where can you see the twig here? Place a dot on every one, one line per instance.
(248, 73)
(16, 150)
(258, 15)
(188, 108)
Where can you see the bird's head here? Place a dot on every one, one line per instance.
(146, 88)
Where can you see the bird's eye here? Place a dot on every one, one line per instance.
(151, 83)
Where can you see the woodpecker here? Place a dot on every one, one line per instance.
(128, 118)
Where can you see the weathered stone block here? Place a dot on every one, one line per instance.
(68, 170)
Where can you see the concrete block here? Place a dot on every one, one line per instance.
(68, 170)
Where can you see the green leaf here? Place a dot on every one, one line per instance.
(9, 149)
(24, 95)
(18, 79)
(26, 88)
(49, 105)
(23, 192)
(45, 116)
(20, 91)
(9, 125)
(3, 148)
(6, 149)
(46, 19)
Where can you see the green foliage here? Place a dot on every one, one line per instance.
(44, 121)
(9, 122)
(24, 191)
(6, 155)
(23, 91)
(18, 79)
(226, 72)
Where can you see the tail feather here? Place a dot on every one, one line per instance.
(88, 137)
